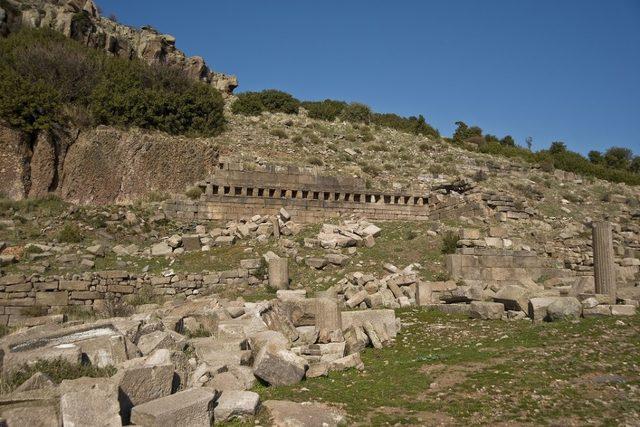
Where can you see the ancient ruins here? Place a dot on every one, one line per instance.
(296, 271)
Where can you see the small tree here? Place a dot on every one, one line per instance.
(508, 141)
(356, 113)
(595, 157)
(618, 157)
(557, 147)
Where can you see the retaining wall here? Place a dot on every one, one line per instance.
(52, 293)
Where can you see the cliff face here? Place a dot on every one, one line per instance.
(80, 20)
(101, 166)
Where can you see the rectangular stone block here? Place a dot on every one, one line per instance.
(20, 287)
(52, 298)
(73, 285)
(12, 279)
(86, 295)
(121, 289)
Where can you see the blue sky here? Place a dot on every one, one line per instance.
(564, 70)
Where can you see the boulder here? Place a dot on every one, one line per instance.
(236, 404)
(564, 309)
(189, 408)
(161, 249)
(486, 310)
(279, 367)
(140, 382)
(89, 402)
(513, 297)
(623, 310)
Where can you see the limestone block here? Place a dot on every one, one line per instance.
(189, 408)
(236, 404)
(486, 310)
(89, 402)
(279, 367)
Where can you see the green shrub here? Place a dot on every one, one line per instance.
(316, 161)
(278, 133)
(356, 113)
(327, 110)
(193, 193)
(449, 243)
(414, 125)
(70, 233)
(274, 101)
(48, 79)
(248, 104)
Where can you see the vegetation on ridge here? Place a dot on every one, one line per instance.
(47, 79)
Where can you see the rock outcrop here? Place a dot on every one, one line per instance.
(81, 21)
(102, 165)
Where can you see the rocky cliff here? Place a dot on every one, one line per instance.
(102, 165)
(80, 20)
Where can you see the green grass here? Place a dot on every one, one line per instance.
(487, 372)
(58, 370)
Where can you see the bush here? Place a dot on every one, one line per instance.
(70, 233)
(193, 193)
(316, 161)
(327, 110)
(48, 79)
(278, 133)
(274, 101)
(356, 113)
(414, 125)
(248, 104)
(449, 243)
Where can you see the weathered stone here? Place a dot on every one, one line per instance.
(161, 249)
(347, 362)
(319, 369)
(279, 367)
(37, 381)
(603, 263)
(316, 262)
(188, 408)
(513, 297)
(486, 310)
(623, 310)
(357, 299)
(236, 404)
(284, 413)
(384, 319)
(597, 311)
(564, 309)
(140, 383)
(279, 273)
(191, 243)
(89, 402)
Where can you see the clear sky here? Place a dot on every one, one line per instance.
(564, 70)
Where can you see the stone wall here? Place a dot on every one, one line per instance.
(502, 265)
(233, 193)
(19, 293)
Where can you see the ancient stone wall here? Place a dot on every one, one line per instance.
(502, 265)
(19, 294)
(233, 194)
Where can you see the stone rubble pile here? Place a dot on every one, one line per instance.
(348, 234)
(191, 363)
(258, 227)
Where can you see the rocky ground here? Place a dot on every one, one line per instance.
(129, 293)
